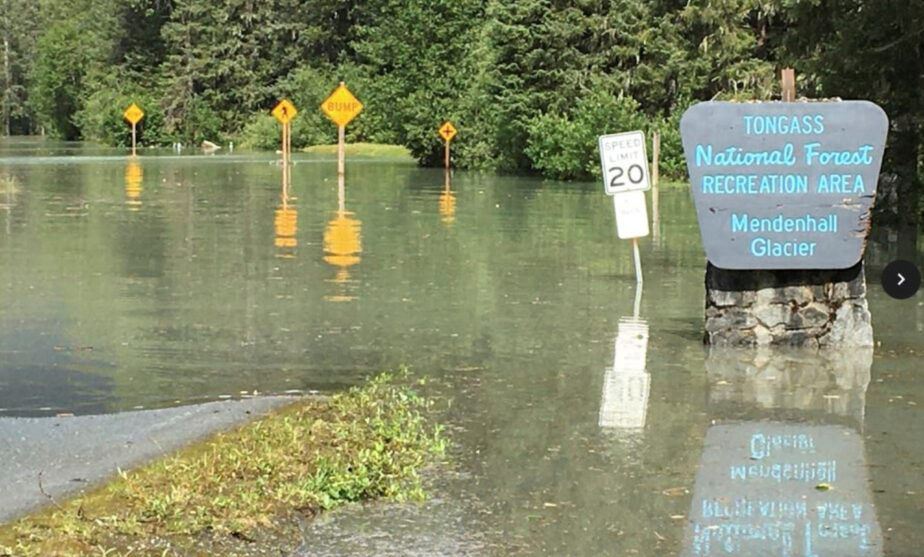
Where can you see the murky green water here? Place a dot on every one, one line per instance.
(579, 429)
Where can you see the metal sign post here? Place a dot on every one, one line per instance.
(625, 178)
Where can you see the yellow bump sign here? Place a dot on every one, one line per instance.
(448, 131)
(285, 111)
(133, 114)
(341, 106)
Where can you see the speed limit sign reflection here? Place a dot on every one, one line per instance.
(624, 162)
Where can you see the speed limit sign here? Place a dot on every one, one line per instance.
(624, 162)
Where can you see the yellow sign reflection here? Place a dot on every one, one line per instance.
(134, 175)
(447, 201)
(342, 245)
(285, 223)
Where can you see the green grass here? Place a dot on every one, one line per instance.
(368, 443)
(364, 149)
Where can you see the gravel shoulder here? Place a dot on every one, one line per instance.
(68, 455)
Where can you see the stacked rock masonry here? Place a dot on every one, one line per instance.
(811, 308)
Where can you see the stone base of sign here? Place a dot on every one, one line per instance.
(811, 308)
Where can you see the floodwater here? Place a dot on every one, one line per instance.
(580, 425)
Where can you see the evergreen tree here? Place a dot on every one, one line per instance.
(18, 33)
(415, 55)
(57, 80)
(529, 64)
(868, 50)
(725, 44)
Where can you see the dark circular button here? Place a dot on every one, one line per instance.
(901, 279)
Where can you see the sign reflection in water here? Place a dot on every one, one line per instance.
(285, 224)
(342, 247)
(626, 385)
(447, 200)
(785, 484)
(134, 175)
(825, 384)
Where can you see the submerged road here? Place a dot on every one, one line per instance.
(74, 453)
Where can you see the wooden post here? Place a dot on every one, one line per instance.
(289, 140)
(285, 161)
(134, 135)
(447, 155)
(283, 142)
(655, 177)
(285, 187)
(655, 157)
(788, 82)
(341, 149)
(341, 195)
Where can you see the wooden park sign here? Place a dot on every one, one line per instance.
(784, 185)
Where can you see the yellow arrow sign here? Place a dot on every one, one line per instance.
(448, 131)
(285, 111)
(133, 114)
(341, 106)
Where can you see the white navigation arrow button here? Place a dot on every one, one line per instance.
(901, 279)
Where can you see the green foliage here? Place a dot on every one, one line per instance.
(101, 119)
(18, 33)
(201, 123)
(306, 88)
(262, 131)
(415, 56)
(368, 443)
(508, 74)
(565, 145)
(672, 163)
(60, 64)
(868, 50)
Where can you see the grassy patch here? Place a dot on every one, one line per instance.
(370, 442)
(364, 149)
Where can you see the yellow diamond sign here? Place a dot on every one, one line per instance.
(448, 131)
(341, 106)
(133, 114)
(285, 111)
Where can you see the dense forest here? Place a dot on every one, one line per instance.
(530, 83)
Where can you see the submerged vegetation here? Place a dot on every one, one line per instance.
(368, 443)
